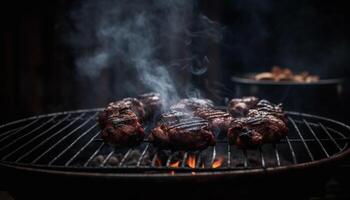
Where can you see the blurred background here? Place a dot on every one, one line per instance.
(41, 73)
(63, 55)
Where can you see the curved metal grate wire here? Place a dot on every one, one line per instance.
(69, 141)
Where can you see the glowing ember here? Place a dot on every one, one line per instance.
(158, 162)
(174, 164)
(191, 161)
(217, 162)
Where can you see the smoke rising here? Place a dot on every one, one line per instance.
(155, 43)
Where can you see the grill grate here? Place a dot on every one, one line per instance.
(69, 141)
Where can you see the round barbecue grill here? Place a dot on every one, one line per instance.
(68, 143)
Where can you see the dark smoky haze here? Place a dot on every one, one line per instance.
(124, 48)
(65, 55)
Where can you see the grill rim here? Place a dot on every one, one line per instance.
(229, 172)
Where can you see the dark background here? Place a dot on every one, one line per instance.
(38, 74)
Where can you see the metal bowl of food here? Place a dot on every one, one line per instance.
(309, 93)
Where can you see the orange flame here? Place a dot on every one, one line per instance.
(158, 162)
(174, 164)
(217, 162)
(191, 161)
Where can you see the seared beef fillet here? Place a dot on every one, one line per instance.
(181, 131)
(239, 107)
(217, 118)
(121, 122)
(263, 122)
(252, 131)
(191, 104)
(265, 107)
(152, 103)
(173, 116)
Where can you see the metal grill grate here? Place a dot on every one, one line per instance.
(69, 141)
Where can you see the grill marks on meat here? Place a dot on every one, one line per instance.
(189, 124)
(239, 107)
(121, 122)
(178, 130)
(249, 132)
(264, 123)
(173, 117)
(265, 107)
(217, 118)
(204, 108)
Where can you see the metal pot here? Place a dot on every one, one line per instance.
(318, 97)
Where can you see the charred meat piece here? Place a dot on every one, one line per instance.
(121, 122)
(173, 117)
(114, 110)
(128, 103)
(217, 118)
(249, 132)
(192, 104)
(152, 103)
(181, 131)
(265, 107)
(239, 107)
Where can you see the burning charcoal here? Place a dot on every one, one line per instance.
(134, 154)
(113, 161)
(254, 159)
(133, 158)
(97, 161)
(146, 160)
(175, 163)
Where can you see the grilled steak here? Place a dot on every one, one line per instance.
(217, 118)
(263, 122)
(121, 122)
(152, 103)
(252, 131)
(178, 130)
(191, 104)
(239, 107)
(265, 107)
(173, 116)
